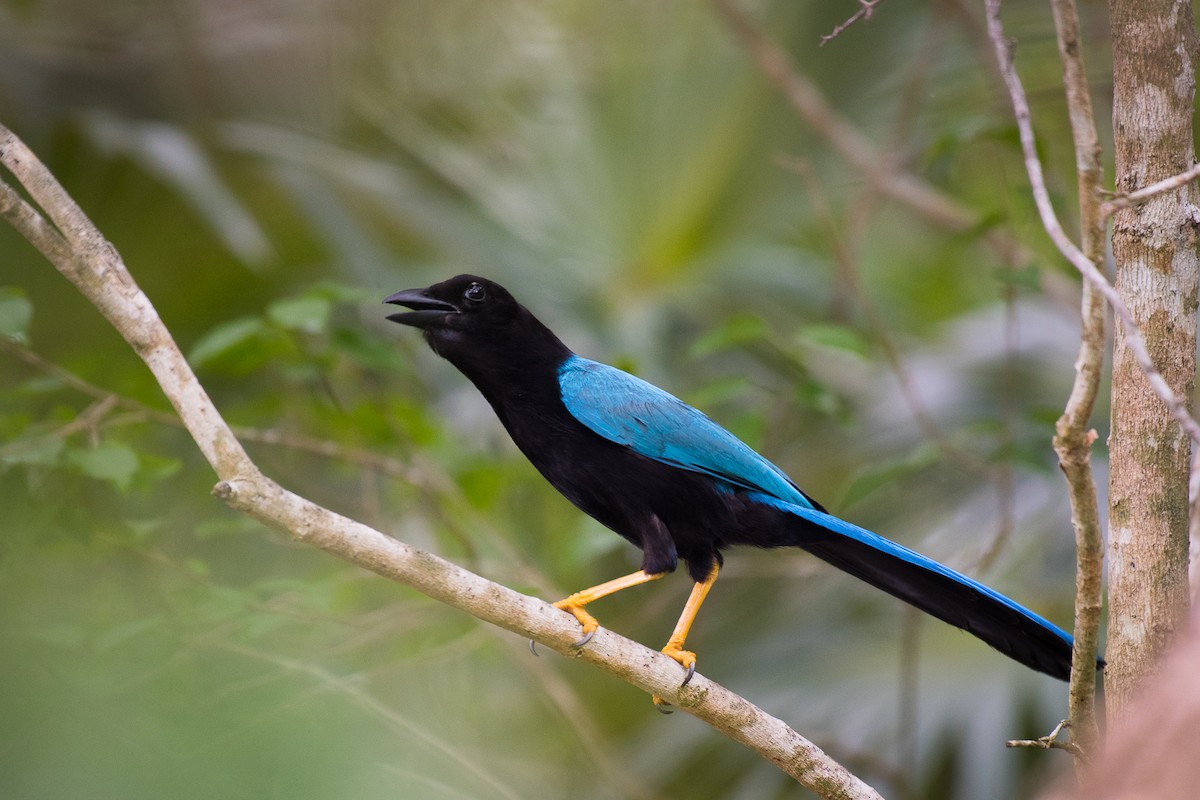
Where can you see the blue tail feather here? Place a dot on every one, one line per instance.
(932, 587)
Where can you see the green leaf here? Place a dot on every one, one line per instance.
(834, 337)
(109, 461)
(871, 479)
(308, 314)
(738, 330)
(1028, 277)
(16, 312)
(224, 339)
(368, 351)
(40, 452)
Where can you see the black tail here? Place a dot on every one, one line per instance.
(935, 589)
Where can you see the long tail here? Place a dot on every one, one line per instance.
(933, 588)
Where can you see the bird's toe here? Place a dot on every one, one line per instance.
(586, 620)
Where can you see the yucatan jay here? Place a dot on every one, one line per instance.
(673, 482)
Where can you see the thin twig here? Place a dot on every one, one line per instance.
(866, 9)
(1149, 192)
(1050, 741)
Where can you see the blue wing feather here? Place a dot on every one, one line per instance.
(631, 412)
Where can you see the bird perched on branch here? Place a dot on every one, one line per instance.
(675, 483)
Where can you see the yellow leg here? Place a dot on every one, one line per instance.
(575, 603)
(674, 647)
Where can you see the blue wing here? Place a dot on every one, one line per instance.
(631, 412)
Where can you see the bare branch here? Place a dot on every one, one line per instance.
(1049, 742)
(1150, 192)
(1073, 437)
(94, 266)
(866, 9)
(1033, 166)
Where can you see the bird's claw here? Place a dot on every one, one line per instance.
(587, 637)
(687, 660)
(586, 621)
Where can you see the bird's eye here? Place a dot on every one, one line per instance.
(475, 293)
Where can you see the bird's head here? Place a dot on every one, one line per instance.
(470, 318)
(466, 304)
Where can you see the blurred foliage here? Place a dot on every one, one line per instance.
(271, 169)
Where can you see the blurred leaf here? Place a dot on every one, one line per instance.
(368, 351)
(308, 313)
(120, 635)
(68, 635)
(113, 462)
(835, 337)
(878, 475)
(723, 390)
(155, 468)
(224, 338)
(42, 451)
(173, 154)
(1028, 277)
(225, 525)
(737, 331)
(16, 312)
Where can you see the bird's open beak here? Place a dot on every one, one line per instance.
(426, 311)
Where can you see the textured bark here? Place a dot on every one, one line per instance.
(1155, 248)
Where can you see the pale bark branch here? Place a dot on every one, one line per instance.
(1073, 436)
(1033, 166)
(82, 255)
(866, 8)
(1150, 192)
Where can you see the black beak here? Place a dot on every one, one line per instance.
(426, 311)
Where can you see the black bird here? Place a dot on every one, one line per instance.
(673, 482)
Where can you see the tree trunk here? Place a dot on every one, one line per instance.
(1155, 247)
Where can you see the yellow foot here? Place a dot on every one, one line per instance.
(586, 620)
(687, 660)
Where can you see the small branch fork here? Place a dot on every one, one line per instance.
(1050, 741)
(866, 9)
(1149, 192)
(79, 251)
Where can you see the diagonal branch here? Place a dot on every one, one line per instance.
(82, 254)
(866, 8)
(1147, 193)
